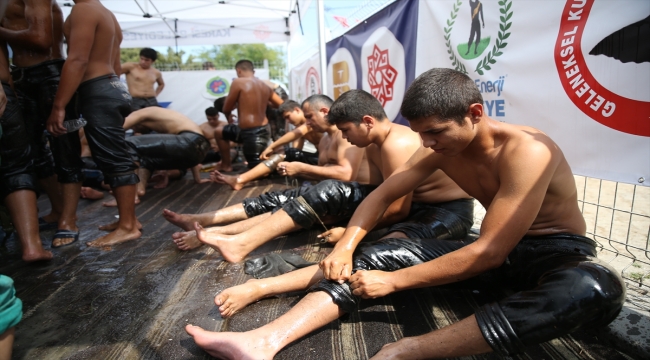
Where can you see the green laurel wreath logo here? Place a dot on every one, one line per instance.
(500, 44)
(458, 66)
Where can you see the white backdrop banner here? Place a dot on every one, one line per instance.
(191, 92)
(305, 79)
(531, 61)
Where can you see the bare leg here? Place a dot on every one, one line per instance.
(24, 215)
(6, 344)
(187, 240)
(113, 203)
(68, 219)
(144, 175)
(313, 312)
(127, 225)
(234, 248)
(54, 192)
(222, 216)
(224, 150)
(238, 182)
(237, 297)
(463, 338)
(161, 178)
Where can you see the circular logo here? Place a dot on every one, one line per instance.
(593, 99)
(217, 86)
(342, 73)
(312, 82)
(383, 70)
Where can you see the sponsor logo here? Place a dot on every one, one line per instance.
(477, 45)
(595, 100)
(381, 76)
(342, 73)
(312, 82)
(217, 86)
(262, 32)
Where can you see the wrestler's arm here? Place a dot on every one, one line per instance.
(338, 264)
(127, 67)
(38, 15)
(83, 23)
(160, 82)
(524, 177)
(347, 165)
(275, 100)
(4, 63)
(231, 100)
(196, 173)
(295, 134)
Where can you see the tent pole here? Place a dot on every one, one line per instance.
(321, 46)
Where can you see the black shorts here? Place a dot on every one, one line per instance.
(254, 141)
(168, 151)
(138, 103)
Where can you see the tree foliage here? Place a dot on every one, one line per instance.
(169, 61)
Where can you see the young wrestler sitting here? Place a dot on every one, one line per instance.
(337, 159)
(292, 113)
(177, 144)
(363, 122)
(533, 233)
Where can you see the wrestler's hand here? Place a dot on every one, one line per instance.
(337, 266)
(372, 284)
(232, 118)
(55, 122)
(332, 235)
(265, 154)
(289, 168)
(397, 350)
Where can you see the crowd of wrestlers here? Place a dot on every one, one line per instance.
(416, 183)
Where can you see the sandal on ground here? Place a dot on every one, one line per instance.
(65, 234)
(43, 225)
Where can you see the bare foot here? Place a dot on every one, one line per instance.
(235, 298)
(183, 221)
(51, 218)
(231, 180)
(229, 246)
(112, 226)
(231, 345)
(33, 256)
(220, 167)
(113, 203)
(186, 240)
(115, 237)
(91, 194)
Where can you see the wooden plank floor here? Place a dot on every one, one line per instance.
(132, 301)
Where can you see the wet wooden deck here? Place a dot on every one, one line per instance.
(132, 302)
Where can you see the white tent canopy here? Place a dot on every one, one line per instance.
(198, 22)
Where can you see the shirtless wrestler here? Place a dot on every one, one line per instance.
(251, 96)
(533, 233)
(90, 84)
(338, 159)
(34, 30)
(292, 113)
(178, 143)
(208, 128)
(141, 77)
(17, 173)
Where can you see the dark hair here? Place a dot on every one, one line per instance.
(149, 53)
(218, 103)
(288, 106)
(281, 93)
(353, 105)
(211, 111)
(445, 94)
(318, 101)
(244, 65)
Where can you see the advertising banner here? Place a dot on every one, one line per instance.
(191, 92)
(578, 70)
(378, 56)
(306, 79)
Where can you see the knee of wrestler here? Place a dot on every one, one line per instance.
(67, 175)
(600, 292)
(340, 293)
(18, 182)
(117, 180)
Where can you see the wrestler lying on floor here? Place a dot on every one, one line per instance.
(362, 121)
(177, 144)
(532, 239)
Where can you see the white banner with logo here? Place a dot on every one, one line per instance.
(191, 92)
(532, 62)
(305, 79)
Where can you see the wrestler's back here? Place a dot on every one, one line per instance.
(105, 50)
(163, 121)
(140, 81)
(253, 98)
(50, 40)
